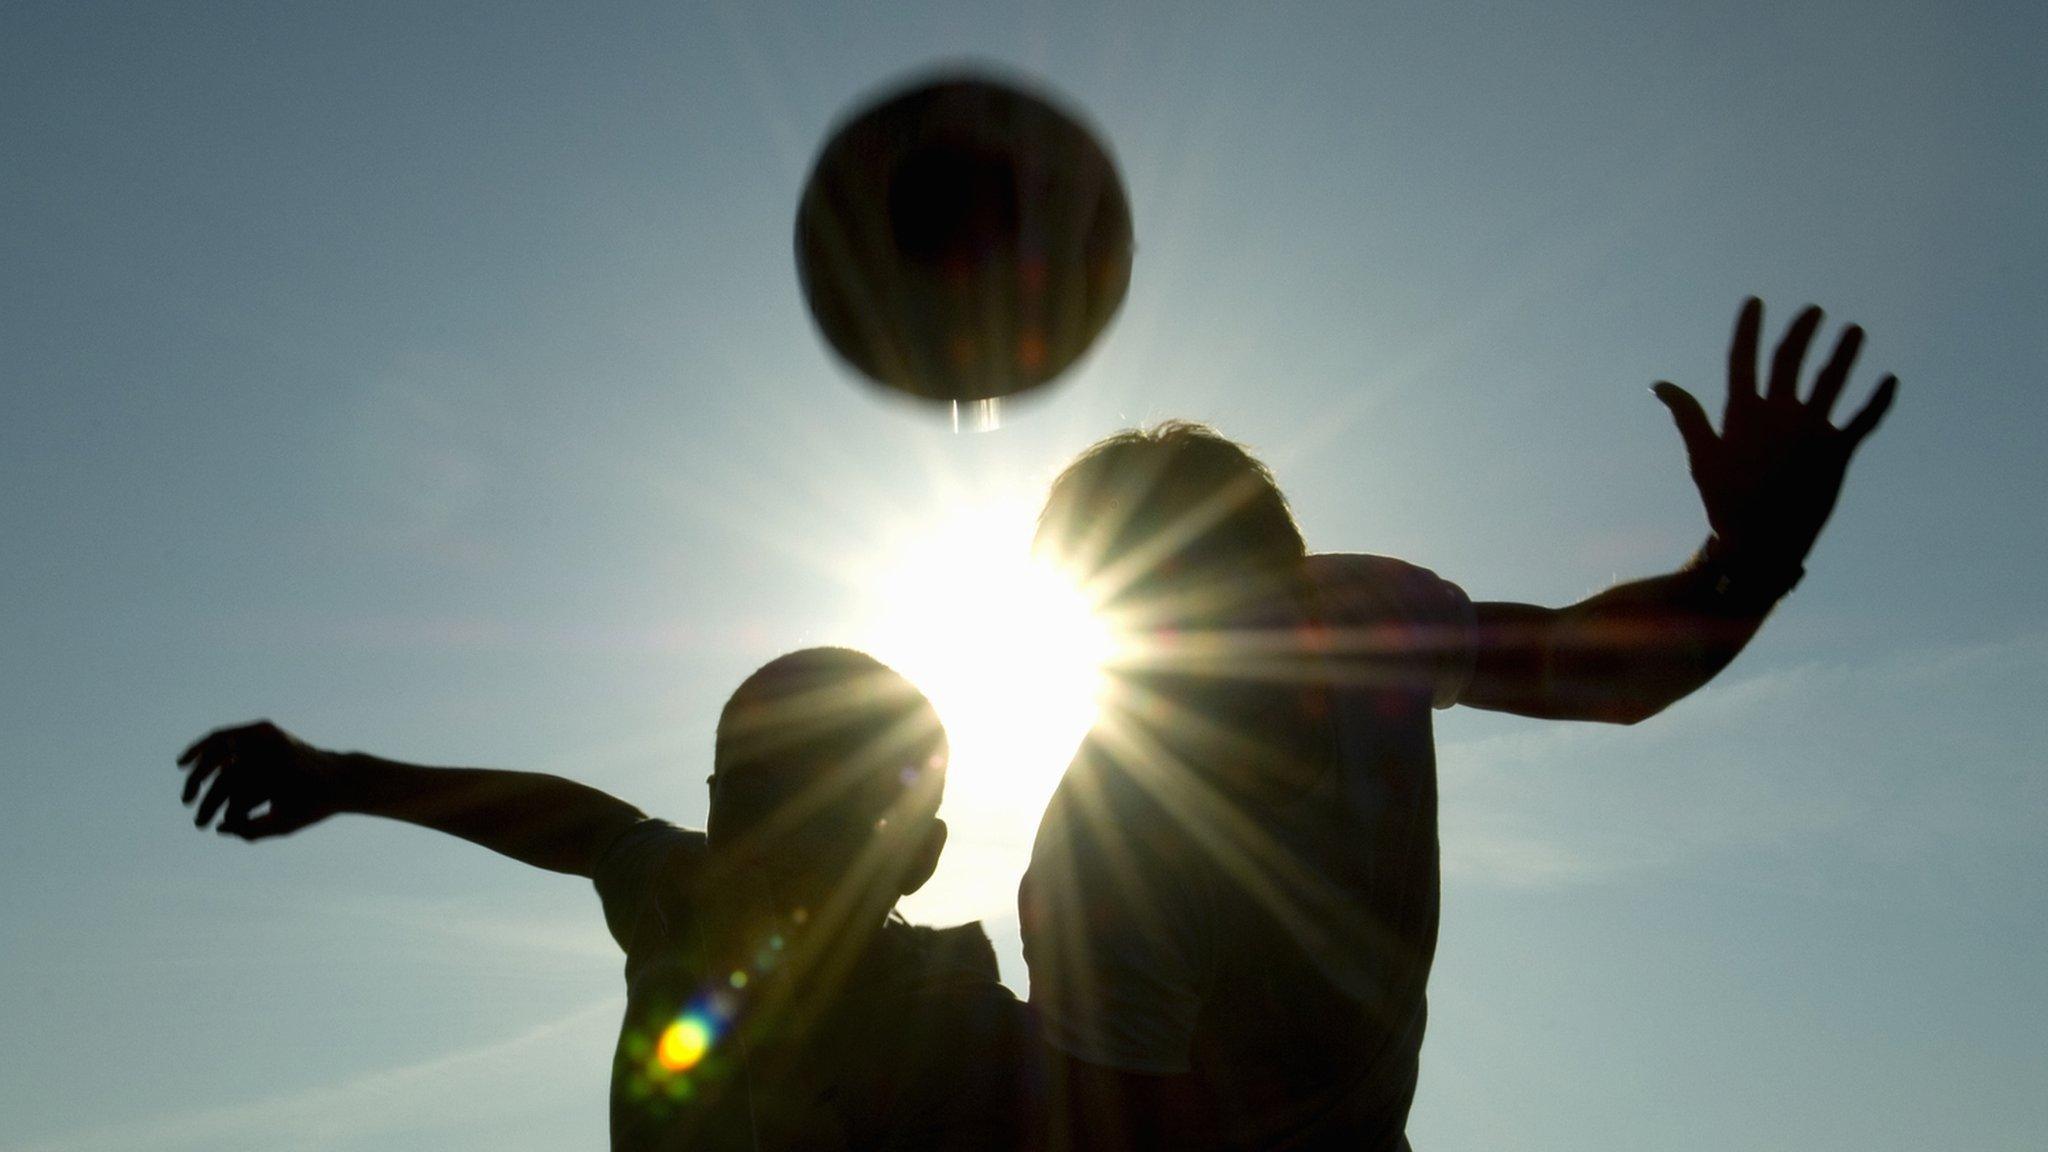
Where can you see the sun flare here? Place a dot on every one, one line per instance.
(1012, 657)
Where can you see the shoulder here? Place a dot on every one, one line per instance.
(1358, 585)
(1107, 828)
(951, 975)
(639, 863)
(964, 952)
(941, 1054)
(1380, 610)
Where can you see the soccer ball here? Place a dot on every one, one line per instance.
(962, 239)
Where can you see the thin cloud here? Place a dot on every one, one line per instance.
(1885, 760)
(459, 920)
(469, 1087)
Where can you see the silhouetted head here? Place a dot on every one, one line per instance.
(827, 777)
(1186, 541)
(1168, 512)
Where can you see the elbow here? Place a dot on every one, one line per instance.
(1637, 711)
(1629, 711)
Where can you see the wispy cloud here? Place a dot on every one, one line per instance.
(1886, 759)
(522, 1074)
(461, 922)
(416, 452)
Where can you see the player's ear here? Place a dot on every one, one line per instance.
(926, 858)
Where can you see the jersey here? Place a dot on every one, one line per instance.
(905, 1039)
(1271, 950)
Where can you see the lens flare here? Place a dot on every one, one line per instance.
(1011, 654)
(683, 1043)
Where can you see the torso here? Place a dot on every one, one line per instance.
(1308, 922)
(910, 1042)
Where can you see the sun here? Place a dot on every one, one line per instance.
(1012, 656)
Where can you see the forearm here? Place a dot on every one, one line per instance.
(1626, 653)
(542, 820)
(1768, 479)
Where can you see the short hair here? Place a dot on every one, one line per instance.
(1177, 499)
(818, 749)
(1177, 527)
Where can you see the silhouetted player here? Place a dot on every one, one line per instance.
(1232, 907)
(773, 999)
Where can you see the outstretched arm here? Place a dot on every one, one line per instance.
(266, 782)
(1769, 480)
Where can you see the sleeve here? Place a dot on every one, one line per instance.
(1381, 608)
(1117, 934)
(628, 866)
(1461, 645)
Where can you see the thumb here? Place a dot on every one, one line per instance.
(264, 827)
(1686, 412)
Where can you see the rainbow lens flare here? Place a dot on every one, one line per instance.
(683, 1043)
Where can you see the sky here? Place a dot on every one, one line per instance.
(433, 379)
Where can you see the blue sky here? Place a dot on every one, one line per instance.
(433, 379)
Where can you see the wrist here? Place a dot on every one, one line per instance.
(1745, 578)
(348, 781)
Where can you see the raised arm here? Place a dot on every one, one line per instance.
(1768, 479)
(261, 781)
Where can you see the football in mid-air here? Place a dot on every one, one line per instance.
(963, 239)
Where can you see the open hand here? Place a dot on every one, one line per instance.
(1769, 479)
(266, 782)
